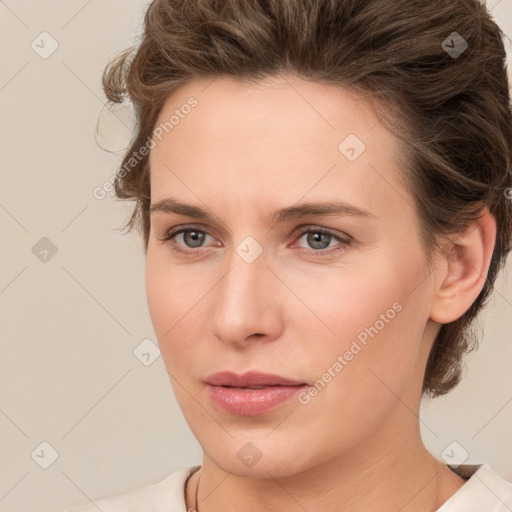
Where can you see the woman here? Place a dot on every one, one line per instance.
(324, 193)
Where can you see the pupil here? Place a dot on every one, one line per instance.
(195, 237)
(316, 238)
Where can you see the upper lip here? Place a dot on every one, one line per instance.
(248, 379)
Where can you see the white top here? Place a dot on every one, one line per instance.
(484, 491)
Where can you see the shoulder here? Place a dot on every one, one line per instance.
(166, 495)
(484, 490)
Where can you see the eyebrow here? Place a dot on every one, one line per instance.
(330, 208)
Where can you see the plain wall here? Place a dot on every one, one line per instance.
(70, 325)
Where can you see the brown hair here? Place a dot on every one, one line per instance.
(451, 112)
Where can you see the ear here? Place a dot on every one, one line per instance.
(461, 269)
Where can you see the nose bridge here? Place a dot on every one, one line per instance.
(245, 302)
(247, 263)
(245, 280)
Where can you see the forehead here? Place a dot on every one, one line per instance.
(268, 107)
(283, 134)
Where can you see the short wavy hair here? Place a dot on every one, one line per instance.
(451, 111)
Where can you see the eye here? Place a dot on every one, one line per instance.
(189, 239)
(186, 239)
(320, 239)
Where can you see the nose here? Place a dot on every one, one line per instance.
(247, 303)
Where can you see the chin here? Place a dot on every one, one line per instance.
(250, 455)
(266, 467)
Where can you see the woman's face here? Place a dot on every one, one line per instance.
(337, 300)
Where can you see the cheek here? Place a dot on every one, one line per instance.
(172, 291)
(370, 362)
(373, 318)
(177, 299)
(160, 294)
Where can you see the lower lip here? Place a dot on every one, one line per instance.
(251, 402)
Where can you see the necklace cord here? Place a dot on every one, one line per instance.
(195, 507)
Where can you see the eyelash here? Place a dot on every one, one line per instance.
(344, 243)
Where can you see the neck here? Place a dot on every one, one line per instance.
(389, 472)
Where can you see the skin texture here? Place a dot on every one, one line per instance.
(243, 152)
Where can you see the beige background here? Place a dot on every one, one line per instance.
(70, 325)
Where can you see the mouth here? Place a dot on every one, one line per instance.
(250, 394)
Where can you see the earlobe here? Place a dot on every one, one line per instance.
(463, 269)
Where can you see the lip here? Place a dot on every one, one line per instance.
(231, 392)
(252, 378)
